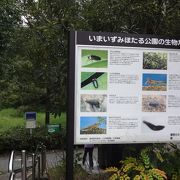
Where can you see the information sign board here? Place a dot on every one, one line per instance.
(53, 128)
(30, 120)
(126, 88)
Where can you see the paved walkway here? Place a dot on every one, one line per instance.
(53, 158)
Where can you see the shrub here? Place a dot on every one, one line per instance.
(170, 162)
(19, 138)
(140, 168)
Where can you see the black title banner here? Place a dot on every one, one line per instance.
(122, 39)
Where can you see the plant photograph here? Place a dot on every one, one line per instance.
(93, 125)
(155, 60)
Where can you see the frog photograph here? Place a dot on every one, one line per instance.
(94, 58)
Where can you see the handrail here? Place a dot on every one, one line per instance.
(10, 166)
(12, 175)
(39, 155)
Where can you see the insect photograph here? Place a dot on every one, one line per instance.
(94, 58)
(154, 103)
(154, 82)
(93, 81)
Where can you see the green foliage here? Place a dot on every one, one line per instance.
(12, 118)
(140, 168)
(145, 17)
(58, 171)
(170, 160)
(33, 57)
(19, 138)
(10, 19)
(13, 134)
(162, 159)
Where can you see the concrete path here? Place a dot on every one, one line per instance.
(53, 159)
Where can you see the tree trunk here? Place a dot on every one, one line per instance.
(47, 117)
(47, 114)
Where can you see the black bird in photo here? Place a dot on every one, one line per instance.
(154, 127)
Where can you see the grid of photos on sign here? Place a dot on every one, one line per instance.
(93, 80)
(154, 81)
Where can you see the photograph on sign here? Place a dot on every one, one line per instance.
(93, 80)
(94, 58)
(155, 60)
(93, 125)
(93, 103)
(154, 103)
(153, 124)
(154, 82)
(126, 88)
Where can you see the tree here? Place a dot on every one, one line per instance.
(161, 17)
(44, 54)
(33, 66)
(10, 20)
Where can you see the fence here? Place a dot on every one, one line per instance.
(29, 171)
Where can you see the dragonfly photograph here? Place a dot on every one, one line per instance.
(154, 82)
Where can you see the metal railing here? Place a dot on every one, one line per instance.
(29, 171)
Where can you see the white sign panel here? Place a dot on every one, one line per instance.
(127, 88)
(30, 120)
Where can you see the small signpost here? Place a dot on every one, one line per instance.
(53, 128)
(30, 118)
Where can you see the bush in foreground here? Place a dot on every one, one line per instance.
(19, 138)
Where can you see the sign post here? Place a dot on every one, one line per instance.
(70, 113)
(30, 120)
(53, 128)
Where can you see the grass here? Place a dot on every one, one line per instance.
(9, 118)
